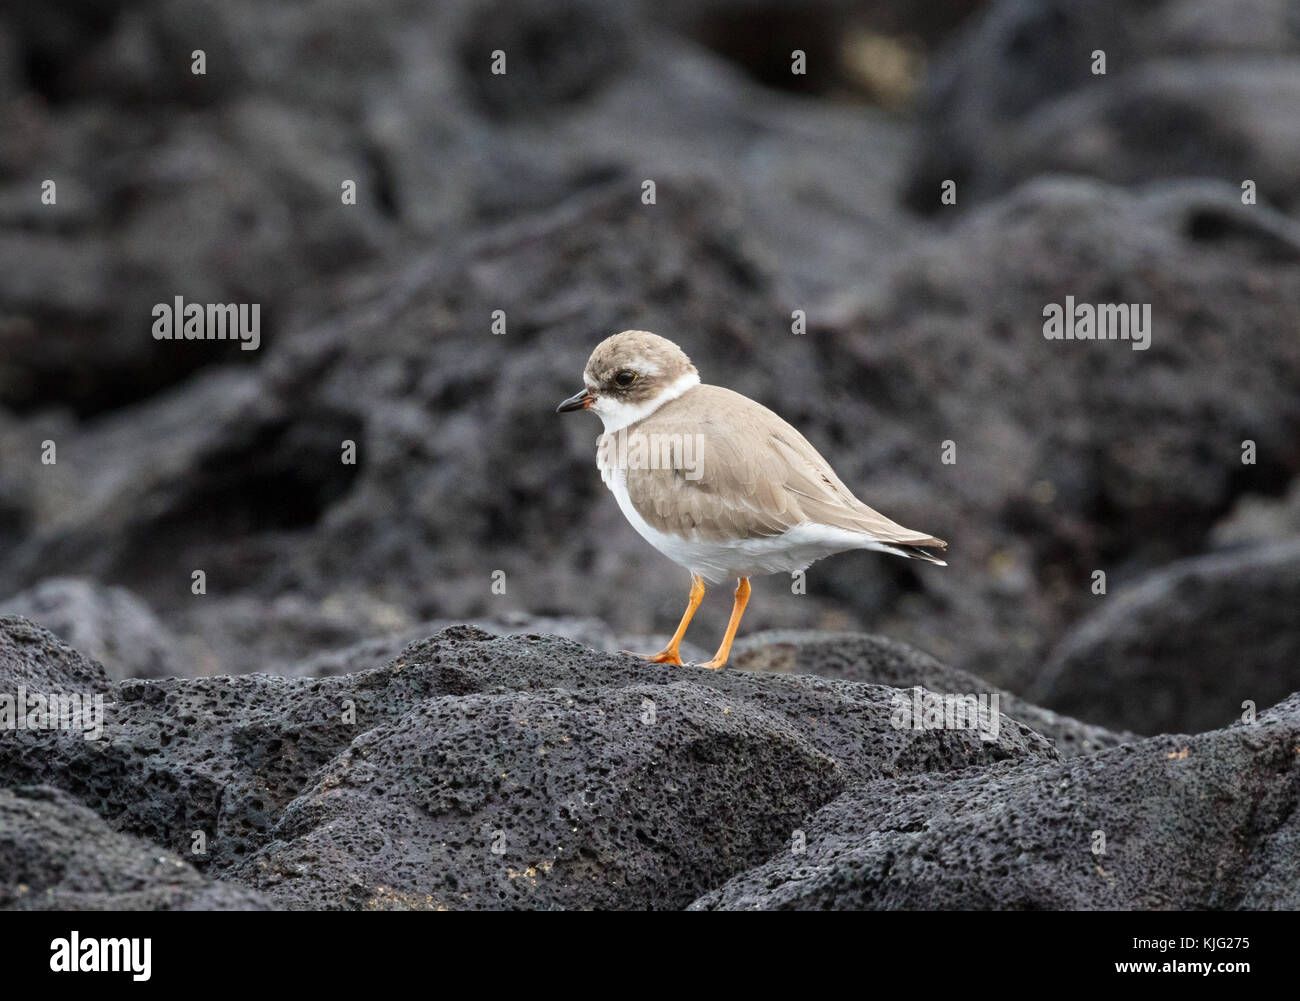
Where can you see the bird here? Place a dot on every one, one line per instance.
(717, 482)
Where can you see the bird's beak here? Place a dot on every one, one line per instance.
(578, 401)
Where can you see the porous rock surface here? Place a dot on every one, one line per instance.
(480, 771)
(1169, 823)
(57, 855)
(624, 783)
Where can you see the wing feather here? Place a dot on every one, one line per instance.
(755, 476)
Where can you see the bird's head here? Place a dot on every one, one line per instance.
(629, 376)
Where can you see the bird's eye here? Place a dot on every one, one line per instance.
(624, 379)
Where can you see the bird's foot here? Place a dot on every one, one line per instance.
(714, 664)
(662, 657)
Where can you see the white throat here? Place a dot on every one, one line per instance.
(618, 415)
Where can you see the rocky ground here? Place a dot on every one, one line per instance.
(477, 771)
(523, 193)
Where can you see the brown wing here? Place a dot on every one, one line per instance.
(745, 473)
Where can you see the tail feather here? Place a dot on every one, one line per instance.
(917, 553)
(913, 551)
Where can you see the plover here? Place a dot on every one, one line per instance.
(719, 484)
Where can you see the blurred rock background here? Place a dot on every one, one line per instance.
(775, 192)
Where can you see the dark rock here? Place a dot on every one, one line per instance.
(1104, 458)
(378, 651)
(1182, 118)
(554, 799)
(1188, 645)
(541, 784)
(226, 186)
(1187, 91)
(1205, 822)
(273, 771)
(880, 661)
(56, 855)
(558, 53)
(212, 756)
(38, 660)
(110, 623)
(479, 771)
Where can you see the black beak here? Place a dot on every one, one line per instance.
(578, 401)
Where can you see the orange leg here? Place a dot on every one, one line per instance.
(737, 610)
(669, 654)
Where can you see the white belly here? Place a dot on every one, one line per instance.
(716, 561)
